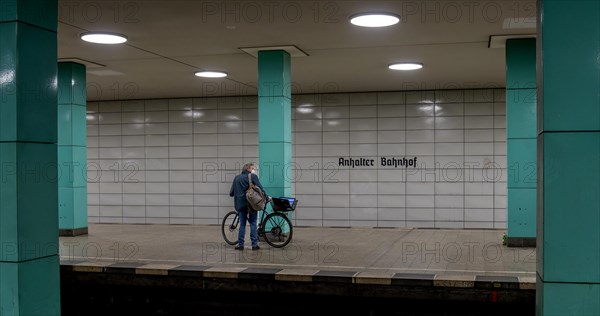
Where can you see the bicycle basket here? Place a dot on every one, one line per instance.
(284, 204)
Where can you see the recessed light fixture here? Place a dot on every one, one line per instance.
(406, 66)
(374, 19)
(104, 38)
(211, 74)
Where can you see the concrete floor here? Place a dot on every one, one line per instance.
(378, 251)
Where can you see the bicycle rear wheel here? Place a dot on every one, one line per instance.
(231, 227)
(277, 230)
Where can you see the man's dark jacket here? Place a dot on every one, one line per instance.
(238, 190)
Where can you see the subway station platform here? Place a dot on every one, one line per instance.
(405, 265)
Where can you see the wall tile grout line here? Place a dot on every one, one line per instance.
(466, 187)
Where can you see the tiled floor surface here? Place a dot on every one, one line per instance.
(379, 251)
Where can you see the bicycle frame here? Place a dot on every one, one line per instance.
(275, 227)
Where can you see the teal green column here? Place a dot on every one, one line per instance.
(274, 122)
(72, 156)
(568, 263)
(521, 133)
(29, 262)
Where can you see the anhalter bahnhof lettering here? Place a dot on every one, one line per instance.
(385, 162)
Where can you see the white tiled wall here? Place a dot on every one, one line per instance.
(172, 161)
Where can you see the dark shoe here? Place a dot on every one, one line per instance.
(238, 247)
(255, 247)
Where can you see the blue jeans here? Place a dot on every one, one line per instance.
(253, 233)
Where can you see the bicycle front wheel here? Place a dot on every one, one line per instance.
(231, 227)
(277, 230)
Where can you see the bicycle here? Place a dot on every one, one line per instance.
(275, 228)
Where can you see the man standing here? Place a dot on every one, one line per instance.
(238, 191)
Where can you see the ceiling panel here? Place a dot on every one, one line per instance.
(169, 40)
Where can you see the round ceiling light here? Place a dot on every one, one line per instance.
(406, 66)
(211, 74)
(374, 19)
(104, 38)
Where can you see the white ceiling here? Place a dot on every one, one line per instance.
(170, 40)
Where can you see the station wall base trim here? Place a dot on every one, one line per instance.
(521, 241)
(73, 232)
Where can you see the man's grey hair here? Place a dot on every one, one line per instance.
(247, 166)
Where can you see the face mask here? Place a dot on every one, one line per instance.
(254, 171)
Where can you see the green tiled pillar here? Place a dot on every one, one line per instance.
(72, 184)
(29, 263)
(274, 121)
(521, 121)
(568, 264)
